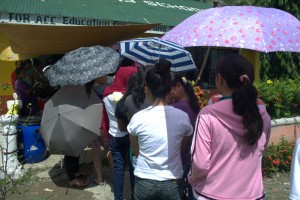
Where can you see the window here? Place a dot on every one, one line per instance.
(207, 80)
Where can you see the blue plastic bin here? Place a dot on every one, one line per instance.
(31, 145)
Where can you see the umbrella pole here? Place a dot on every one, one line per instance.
(203, 66)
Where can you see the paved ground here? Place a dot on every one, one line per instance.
(53, 183)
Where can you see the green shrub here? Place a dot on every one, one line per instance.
(281, 97)
(277, 158)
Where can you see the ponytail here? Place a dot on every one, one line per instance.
(244, 103)
(158, 79)
(188, 88)
(239, 75)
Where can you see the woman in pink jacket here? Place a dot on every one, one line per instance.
(230, 138)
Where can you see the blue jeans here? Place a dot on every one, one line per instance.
(146, 189)
(119, 147)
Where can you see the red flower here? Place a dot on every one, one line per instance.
(199, 95)
(276, 162)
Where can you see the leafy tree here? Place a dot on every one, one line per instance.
(280, 64)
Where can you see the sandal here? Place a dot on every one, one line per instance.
(95, 181)
(78, 182)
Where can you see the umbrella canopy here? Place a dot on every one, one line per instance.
(55, 39)
(82, 65)
(8, 55)
(248, 27)
(147, 51)
(71, 120)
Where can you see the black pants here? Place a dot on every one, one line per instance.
(72, 166)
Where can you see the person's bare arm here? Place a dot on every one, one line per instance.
(185, 143)
(134, 144)
(121, 125)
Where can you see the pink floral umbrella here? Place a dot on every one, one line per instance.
(248, 27)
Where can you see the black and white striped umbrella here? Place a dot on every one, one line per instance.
(147, 51)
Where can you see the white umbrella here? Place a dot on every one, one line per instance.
(147, 51)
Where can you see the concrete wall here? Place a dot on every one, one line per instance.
(287, 127)
(3, 104)
(254, 58)
(6, 68)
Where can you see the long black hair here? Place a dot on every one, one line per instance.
(189, 90)
(89, 87)
(138, 93)
(131, 85)
(158, 79)
(135, 87)
(239, 75)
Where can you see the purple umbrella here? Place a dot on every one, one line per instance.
(248, 27)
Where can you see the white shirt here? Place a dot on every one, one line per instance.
(160, 130)
(110, 103)
(295, 173)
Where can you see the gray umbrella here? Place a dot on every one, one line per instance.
(82, 65)
(71, 120)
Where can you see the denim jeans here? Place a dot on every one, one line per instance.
(119, 147)
(145, 189)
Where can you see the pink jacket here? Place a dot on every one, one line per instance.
(223, 167)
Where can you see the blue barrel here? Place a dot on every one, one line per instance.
(31, 145)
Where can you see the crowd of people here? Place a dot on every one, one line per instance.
(152, 124)
(31, 86)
